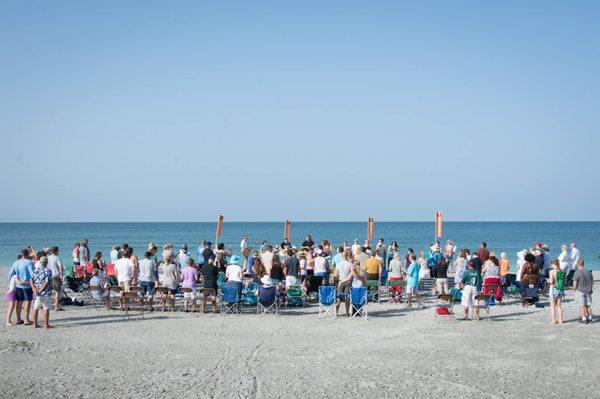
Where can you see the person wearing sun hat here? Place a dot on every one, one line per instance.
(233, 272)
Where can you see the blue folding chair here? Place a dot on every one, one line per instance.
(327, 295)
(267, 300)
(230, 299)
(249, 294)
(358, 301)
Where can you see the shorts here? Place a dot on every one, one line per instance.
(23, 294)
(126, 285)
(42, 302)
(189, 295)
(344, 289)
(583, 299)
(56, 284)
(555, 293)
(147, 288)
(468, 296)
(412, 289)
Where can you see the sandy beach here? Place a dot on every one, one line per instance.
(395, 352)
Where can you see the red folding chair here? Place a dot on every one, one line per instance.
(79, 272)
(109, 269)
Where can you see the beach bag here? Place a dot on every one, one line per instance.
(442, 311)
(559, 284)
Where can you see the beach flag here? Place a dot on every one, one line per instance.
(219, 225)
(370, 229)
(287, 232)
(438, 224)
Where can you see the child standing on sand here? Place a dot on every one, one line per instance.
(11, 298)
(470, 281)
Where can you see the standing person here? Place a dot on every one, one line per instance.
(373, 267)
(449, 251)
(355, 247)
(22, 269)
(564, 260)
(147, 277)
(207, 252)
(41, 284)
(470, 281)
(362, 258)
(556, 292)
(440, 272)
(409, 253)
(114, 254)
(11, 299)
(211, 275)
(392, 250)
(98, 263)
(482, 253)
(338, 257)
(395, 268)
(504, 265)
(460, 265)
(233, 272)
(291, 268)
(424, 271)
(267, 258)
(575, 255)
(244, 246)
(168, 278)
(520, 263)
(412, 282)
(583, 283)
(189, 278)
(303, 265)
(167, 250)
(76, 248)
(343, 271)
(182, 257)
(321, 266)
(135, 270)
(56, 268)
(276, 272)
(124, 272)
(285, 244)
(201, 249)
(84, 253)
(308, 243)
(477, 261)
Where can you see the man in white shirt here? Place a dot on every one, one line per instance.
(355, 247)
(183, 256)
(56, 267)
(575, 255)
(343, 272)
(124, 270)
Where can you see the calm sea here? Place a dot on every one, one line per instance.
(509, 237)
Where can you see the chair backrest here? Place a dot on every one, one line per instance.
(426, 284)
(230, 293)
(109, 269)
(89, 268)
(162, 290)
(358, 296)
(482, 297)
(397, 283)
(188, 290)
(79, 271)
(114, 288)
(327, 294)
(207, 291)
(267, 295)
(294, 291)
(136, 289)
(130, 294)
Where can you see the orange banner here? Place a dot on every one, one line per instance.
(438, 224)
(287, 232)
(370, 229)
(219, 225)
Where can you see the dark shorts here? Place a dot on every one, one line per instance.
(56, 284)
(344, 290)
(23, 294)
(147, 288)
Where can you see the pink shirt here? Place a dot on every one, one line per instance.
(188, 276)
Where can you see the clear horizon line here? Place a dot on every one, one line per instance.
(302, 221)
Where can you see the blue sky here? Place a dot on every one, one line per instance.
(178, 111)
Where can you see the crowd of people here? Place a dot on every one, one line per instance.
(42, 277)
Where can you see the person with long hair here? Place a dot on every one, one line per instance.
(259, 270)
(556, 293)
(169, 277)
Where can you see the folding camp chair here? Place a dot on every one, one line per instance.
(396, 290)
(427, 286)
(483, 301)
(267, 300)
(191, 293)
(98, 301)
(327, 296)
(373, 290)
(109, 270)
(295, 296)
(249, 294)
(230, 299)
(114, 292)
(132, 297)
(358, 301)
(444, 306)
(495, 291)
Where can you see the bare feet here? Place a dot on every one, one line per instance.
(9, 324)
(48, 326)
(36, 326)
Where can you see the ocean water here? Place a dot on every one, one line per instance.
(509, 237)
